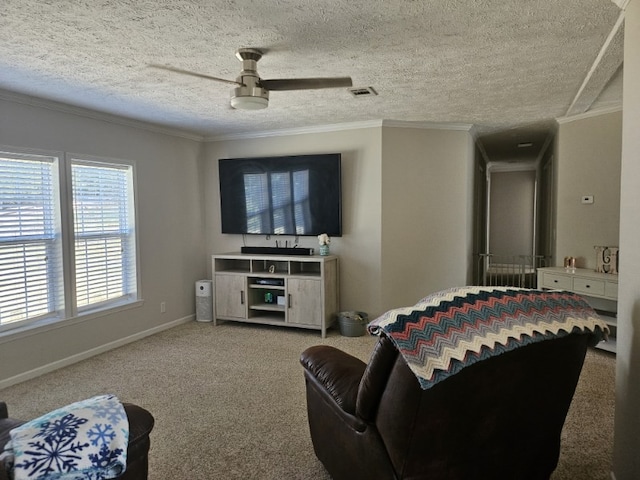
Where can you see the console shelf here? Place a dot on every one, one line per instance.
(292, 291)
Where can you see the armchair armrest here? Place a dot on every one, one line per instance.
(338, 372)
(4, 414)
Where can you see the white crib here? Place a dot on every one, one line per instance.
(508, 270)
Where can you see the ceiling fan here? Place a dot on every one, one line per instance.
(251, 91)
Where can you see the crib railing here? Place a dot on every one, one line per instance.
(508, 270)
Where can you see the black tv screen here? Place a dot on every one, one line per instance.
(293, 195)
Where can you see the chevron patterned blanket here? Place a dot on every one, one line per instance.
(452, 329)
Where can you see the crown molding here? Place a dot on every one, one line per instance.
(465, 127)
(483, 151)
(335, 127)
(93, 114)
(338, 127)
(118, 120)
(588, 114)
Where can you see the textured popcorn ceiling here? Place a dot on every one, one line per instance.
(492, 63)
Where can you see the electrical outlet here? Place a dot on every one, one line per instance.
(586, 199)
(163, 307)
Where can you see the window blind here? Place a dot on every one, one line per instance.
(31, 283)
(104, 233)
(256, 186)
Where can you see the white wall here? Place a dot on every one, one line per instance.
(627, 419)
(178, 211)
(170, 231)
(359, 247)
(588, 163)
(407, 209)
(427, 212)
(511, 212)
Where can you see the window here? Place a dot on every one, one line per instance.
(30, 240)
(103, 222)
(62, 253)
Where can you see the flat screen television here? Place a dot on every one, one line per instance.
(293, 195)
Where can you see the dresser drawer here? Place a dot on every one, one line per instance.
(588, 286)
(611, 290)
(558, 282)
(599, 289)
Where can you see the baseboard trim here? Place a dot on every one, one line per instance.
(65, 362)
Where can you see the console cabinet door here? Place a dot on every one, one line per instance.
(230, 291)
(304, 297)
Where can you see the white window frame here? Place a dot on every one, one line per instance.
(132, 296)
(51, 238)
(68, 310)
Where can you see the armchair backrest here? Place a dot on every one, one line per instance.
(499, 418)
(374, 379)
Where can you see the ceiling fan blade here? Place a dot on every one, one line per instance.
(194, 74)
(306, 83)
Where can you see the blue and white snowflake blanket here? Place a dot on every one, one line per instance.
(86, 440)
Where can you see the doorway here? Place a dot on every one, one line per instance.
(512, 220)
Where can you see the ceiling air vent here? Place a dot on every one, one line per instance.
(362, 91)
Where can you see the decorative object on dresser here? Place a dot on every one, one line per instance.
(599, 289)
(303, 290)
(570, 263)
(606, 259)
(324, 241)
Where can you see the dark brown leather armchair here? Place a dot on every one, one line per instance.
(140, 425)
(500, 418)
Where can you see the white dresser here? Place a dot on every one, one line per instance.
(599, 289)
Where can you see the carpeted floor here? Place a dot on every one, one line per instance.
(587, 437)
(229, 401)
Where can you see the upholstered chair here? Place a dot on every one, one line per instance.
(499, 417)
(141, 423)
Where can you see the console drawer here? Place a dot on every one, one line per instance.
(557, 282)
(588, 286)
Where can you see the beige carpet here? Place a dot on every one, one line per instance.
(229, 401)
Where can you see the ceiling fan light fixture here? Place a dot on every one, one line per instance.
(249, 103)
(249, 98)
